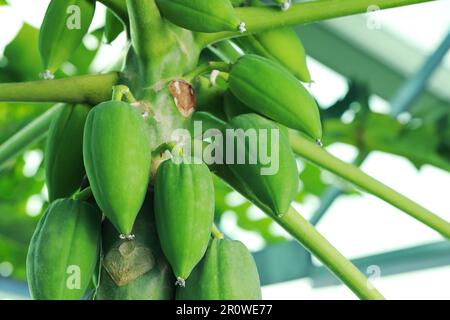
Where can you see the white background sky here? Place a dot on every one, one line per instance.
(357, 226)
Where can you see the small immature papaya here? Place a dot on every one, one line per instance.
(64, 251)
(226, 272)
(201, 15)
(184, 210)
(271, 174)
(117, 158)
(280, 45)
(269, 89)
(135, 270)
(64, 169)
(233, 106)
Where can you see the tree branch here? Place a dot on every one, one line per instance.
(88, 89)
(310, 151)
(258, 19)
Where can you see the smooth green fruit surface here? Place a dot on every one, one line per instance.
(65, 24)
(135, 270)
(275, 187)
(282, 46)
(117, 158)
(233, 106)
(184, 210)
(227, 272)
(269, 89)
(64, 251)
(200, 15)
(64, 169)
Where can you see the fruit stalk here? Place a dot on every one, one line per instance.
(310, 151)
(259, 19)
(312, 240)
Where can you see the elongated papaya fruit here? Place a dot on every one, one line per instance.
(270, 174)
(233, 106)
(64, 251)
(65, 24)
(184, 210)
(135, 270)
(271, 90)
(117, 158)
(64, 169)
(226, 272)
(280, 45)
(201, 15)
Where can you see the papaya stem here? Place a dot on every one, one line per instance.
(207, 67)
(32, 132)
(86, 89)
(259, 19)
(84, 194)
(310, 151)
(121, 91)
(216, 232)
(312, 240)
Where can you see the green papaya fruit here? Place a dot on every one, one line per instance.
(113, 26)
(201, 15)
(233, 106)
(280, 45)
(117, 157)
(269, 89)
(65, 24)
(64, 251)
(64, 169)
(226, 272)
(184, 210)
(135, 270)
(275, 180)
(207, 122)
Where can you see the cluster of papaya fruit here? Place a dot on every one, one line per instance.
(120, 227)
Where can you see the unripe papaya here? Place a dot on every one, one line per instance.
(269, 89)
(65, 24)
(274, 179)
(135, 270)
(117, 158)
(64, 250)
(233, 106)
(184, 210)
(280, 45)
(201, 15)
(64, 169)
(226, 272)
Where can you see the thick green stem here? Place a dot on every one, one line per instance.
(121, 91)
(259, 19)
(29, 134)
(310, 151)
(88, 89)
(310, 238)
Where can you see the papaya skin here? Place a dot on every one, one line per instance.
(65, 248)
(184, 210)
(269, 89)
(117, 158)
(226, 272)
(64, 169)
(278, 190)
(154, 284)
